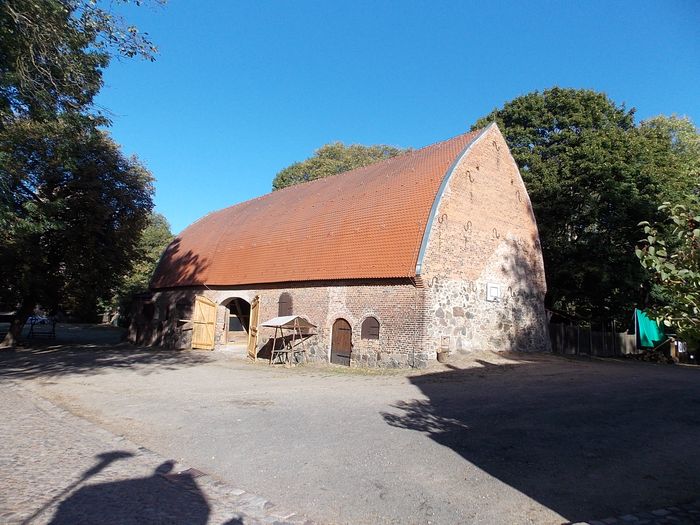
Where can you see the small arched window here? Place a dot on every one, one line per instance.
(285, 305)
(370, 328)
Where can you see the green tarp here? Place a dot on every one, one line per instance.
(650, 332)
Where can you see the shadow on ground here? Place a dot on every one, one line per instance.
(585, 439)
(46, 359)
(162, 497)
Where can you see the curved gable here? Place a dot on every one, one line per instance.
(363, 224)
(485, 224)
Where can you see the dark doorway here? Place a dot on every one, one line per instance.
(341, 343)
(237, 320)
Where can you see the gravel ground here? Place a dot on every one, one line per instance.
(496, 439)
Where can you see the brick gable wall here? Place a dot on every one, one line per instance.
(484, 232)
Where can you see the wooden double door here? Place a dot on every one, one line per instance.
(204, 324)
(341, 342)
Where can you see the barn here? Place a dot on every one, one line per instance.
(435, 250)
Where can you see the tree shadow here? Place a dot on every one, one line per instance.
(585, 439)
(181, 267)
(162, 497)
(47, 360)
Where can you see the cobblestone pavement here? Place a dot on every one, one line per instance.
(61, 469)
(688, 514)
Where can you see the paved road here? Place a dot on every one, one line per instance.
(525, 440)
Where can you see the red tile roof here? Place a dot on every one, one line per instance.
(361, 224)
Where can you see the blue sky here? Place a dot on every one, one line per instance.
(242, 89)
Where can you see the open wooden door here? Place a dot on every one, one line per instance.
(203, 323)
(253, 328)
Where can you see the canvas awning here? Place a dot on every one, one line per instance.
(288, 347)
(288, 321)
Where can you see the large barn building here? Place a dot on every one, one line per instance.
(434, 250)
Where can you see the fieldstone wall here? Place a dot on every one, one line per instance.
(461, 319)
(485, 234)
(157, 319)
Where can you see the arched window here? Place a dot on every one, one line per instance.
(370, 328)
(285, 305)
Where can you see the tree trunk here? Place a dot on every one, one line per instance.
(18, 322)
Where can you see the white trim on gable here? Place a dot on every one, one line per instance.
(441, 191)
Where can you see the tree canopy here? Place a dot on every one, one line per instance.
(332, 159)
(72, 206)
(592, 176)
(77, 206)
(52, 53)
(153, 240)
(677, 146)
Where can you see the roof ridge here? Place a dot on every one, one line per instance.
(382, 161)
(328, 177)
(473, 132)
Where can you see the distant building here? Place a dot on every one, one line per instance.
(434, 250)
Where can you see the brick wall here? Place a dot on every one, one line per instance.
(393, 304)
(484, 232)
(396, 304)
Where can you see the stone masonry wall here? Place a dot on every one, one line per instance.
(484, 233)
(395, 304)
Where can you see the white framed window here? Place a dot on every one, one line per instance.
(493, 292)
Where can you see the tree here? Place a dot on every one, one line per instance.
(52, 53)
(332, 159)
(592, 176)
(677, 142)
(71, 205)
(153, 240)
(77, 206)
(671, 254)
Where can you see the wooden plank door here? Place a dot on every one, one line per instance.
(253, 328)
(341, 343)
(203, 323)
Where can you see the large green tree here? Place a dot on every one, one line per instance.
(77, 205)
(332, 159)
(675, 142)
(52, 53)
(72, 206)
(592, 176)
